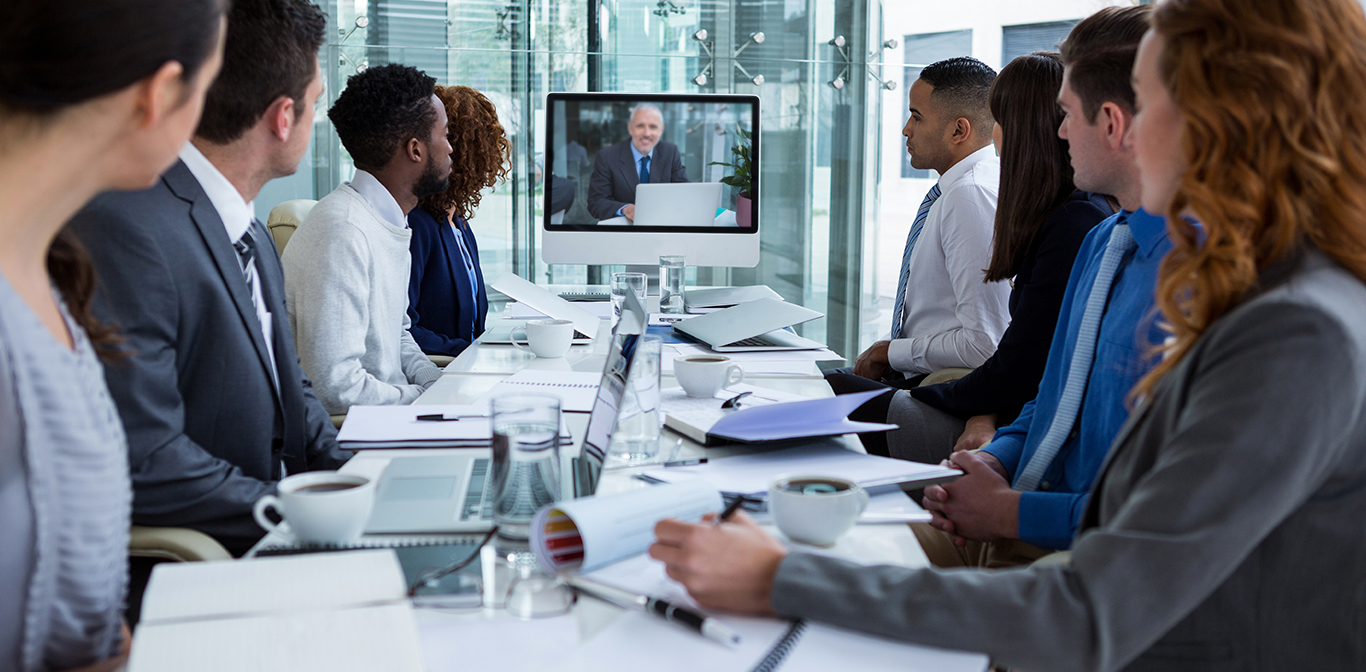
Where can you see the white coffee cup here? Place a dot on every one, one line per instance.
(320, 507)
(546, 338)
(815, 510)
(705, 375)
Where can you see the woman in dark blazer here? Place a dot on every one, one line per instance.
(1041, 220)
(447, 301)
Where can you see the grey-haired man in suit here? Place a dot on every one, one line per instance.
(619, 169)
(211, 394)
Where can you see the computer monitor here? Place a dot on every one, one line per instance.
(595, 209)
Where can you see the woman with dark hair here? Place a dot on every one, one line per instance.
(1224, 532)
(447, 301)
(94, 95)
(1041, 221)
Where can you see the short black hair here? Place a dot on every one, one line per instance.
(382, 108)
(271, 50)
(963, 85)
(1099, 54)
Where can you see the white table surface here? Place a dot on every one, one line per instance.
(482, 366)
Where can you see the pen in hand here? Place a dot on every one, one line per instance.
(730, 509)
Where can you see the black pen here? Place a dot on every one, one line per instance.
(697, 622)
(686, 463)
(438, 417)
(730, 509)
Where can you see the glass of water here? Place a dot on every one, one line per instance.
(526, 459)
(626, 282)
(671, 270)
(636, 440)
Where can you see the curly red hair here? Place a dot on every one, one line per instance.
(1271, 95)
(479, 152)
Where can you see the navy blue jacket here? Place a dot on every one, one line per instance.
(446, 318)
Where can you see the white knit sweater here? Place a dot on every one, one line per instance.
(346, 289)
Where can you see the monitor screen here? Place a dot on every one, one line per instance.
(651, 163)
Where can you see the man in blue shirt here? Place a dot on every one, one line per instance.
(1023, 493)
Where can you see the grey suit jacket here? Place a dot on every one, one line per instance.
(1225, 530)
(207, 431)
(615, 176)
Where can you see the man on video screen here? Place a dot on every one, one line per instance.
(642, 158)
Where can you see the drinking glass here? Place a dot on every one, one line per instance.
(526, 459)
(622, 283)
(671, 283)
(636, 439)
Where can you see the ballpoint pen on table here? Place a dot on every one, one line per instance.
(438, 417)
(698, 622)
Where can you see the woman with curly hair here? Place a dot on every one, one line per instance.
(1224, 531)
(447, 301)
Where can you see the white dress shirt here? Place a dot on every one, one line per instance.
(951, 317)
(237, 215)
(379, 198)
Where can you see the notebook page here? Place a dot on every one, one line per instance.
(823, 648)
(577, 390)
(363, 639)
(215, 590)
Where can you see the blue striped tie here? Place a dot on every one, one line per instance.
(920, 216)
(1083, 356)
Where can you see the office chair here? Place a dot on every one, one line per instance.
(177, 544)
(286, 217)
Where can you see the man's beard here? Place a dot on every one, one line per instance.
(432, 181)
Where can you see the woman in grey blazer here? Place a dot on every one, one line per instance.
(1225, 530)
(93, 96)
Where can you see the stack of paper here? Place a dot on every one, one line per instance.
(329, 611)
(758, 423)
(577, 390)
(445, 426)
(750, 474)
(520, 311)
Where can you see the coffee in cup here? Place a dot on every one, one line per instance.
(545, 338)
(815, 510)
(704, 375)
(319, 507)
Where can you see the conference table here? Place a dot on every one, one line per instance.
(481, 366)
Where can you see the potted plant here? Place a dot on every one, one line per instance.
(741, 179)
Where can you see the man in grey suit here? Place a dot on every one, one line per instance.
(210, 393)
(619, 169)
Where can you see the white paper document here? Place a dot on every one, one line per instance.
(520, 311)
(751, 474)
(501, 644)
(323, 612)
(378, 427)
(675, 400)
(577, 390)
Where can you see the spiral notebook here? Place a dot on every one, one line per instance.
(577, 390)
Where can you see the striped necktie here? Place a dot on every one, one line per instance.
(920, 216)
(246, 255)
(1083, 357)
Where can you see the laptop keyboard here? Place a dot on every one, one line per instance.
(753, 342)
(479, 498)
(585, 296)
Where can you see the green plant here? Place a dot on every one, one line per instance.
(741, 179)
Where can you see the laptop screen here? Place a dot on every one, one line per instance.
(603, 419)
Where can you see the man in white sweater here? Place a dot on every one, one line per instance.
(347, 266)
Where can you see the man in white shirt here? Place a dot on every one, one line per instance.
(944, 314)
(347, 266)
(210, 391)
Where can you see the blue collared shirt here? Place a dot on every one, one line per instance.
(1049, 516)
(637, 156)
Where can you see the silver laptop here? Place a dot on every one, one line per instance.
(585, 323)
(751, 326)
(677, 204)
(454, 493)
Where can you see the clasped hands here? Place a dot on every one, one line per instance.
(873, 363)
(980, 505)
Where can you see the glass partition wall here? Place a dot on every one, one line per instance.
(813, 63)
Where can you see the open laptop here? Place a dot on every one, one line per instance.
(751, 326)
(454, 493)
(585, 323)
(677, 204)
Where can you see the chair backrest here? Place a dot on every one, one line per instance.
(286, 217)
